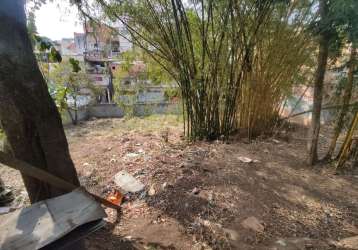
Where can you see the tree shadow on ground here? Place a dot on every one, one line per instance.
(270, 193)
(107, 239)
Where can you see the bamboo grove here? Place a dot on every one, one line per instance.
(234, 61)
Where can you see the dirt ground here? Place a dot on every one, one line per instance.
(199, 194)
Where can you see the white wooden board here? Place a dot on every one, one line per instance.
(46, 221)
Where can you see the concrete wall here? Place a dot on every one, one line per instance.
(143, 109)
(105, 111)
(151, 96)
(98, 111)
(114, 111)
(82, 115)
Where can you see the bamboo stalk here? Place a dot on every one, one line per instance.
(344, 152)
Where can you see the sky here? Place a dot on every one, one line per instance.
(56, 22)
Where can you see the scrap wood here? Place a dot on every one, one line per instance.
(44, 176)
(49, 220)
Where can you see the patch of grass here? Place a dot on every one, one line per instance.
(112, 127)
(150, 123)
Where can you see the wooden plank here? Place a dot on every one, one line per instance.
(44, 176)
(46, 221)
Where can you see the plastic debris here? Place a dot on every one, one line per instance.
(246, 159)
(127, 182)
(115, 197)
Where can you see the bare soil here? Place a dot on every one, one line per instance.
(199, 193)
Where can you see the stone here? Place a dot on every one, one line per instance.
(127, 182)
(195, 191)
(253, 223)
(247, 159)
(210, 197)
(232, 234)
(132, 155)
(298, 244)
(151, 191)
(244, 159)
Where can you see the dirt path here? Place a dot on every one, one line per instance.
(202, 192)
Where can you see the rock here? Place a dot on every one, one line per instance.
(113, 160)
(253, 223)
(210, 197)
(246, 159)
(205, 223)
(195, 191)
(298, 244)
(164, 185)
(266, 151)
(349, 243)
(151, 191)
(132, 155)
(128, 237)
(87, 173)
(232, 234)
(127, 182)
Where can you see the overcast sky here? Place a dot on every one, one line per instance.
(56, 22)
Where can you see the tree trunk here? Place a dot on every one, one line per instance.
(76, 115)
(318, 85)
(346, 99)
(28, 114)
(355, 154)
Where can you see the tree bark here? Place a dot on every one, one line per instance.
(318, 85)
(28, 114)
(355, 154)
(346, 99)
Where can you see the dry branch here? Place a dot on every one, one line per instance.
(29, 170)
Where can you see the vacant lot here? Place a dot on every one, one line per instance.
(199, 194)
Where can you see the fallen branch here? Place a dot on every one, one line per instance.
(323, 108)
(42, 175)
